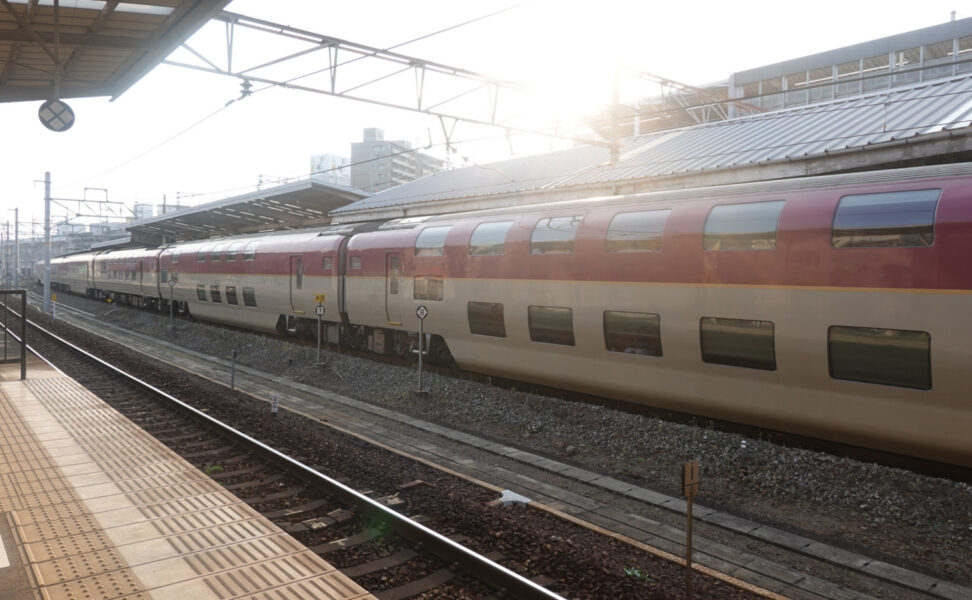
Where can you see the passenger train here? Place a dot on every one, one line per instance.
(837, 307)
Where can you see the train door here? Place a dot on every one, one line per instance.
(141, 277)
(296, 280)
(393, 274)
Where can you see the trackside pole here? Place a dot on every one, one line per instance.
(421, 313)
(690, 487)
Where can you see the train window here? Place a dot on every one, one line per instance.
(249, 251)
(636, 231)
(554, 235)
(355, 262)
(201, 292)
(203, 252)
(632, 332)
(738, 342)
(551, 325)
(163, 276)
(431, 241)
(104, 267)
(217, 252)
(885, 356)
(231, 295)
(214, 293)
(489, 238)
(328, 263)
(886, 220)
(233, 250)
(175, 257)
(486, 318)
(299, 274)
(742, 226)
(249, 296)
(427, 288)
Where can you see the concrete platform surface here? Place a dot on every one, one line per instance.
(93, 507)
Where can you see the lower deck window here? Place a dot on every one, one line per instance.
(551, 325)
(249, 296)
(231, 295)
(486, 318)
(738, 343)
(214, 292)
(632, 332)
(885, 356)
(427, 288)
(201, 292)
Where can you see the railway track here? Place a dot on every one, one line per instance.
(354, 534)
(375, 539)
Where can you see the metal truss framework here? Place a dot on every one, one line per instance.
(489, 96)
(440, 90)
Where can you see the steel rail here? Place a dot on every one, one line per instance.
(495, 574)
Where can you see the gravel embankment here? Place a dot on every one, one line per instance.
(920, 522)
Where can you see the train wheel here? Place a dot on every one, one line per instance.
(439, 352)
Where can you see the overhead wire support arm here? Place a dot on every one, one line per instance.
(438, 88)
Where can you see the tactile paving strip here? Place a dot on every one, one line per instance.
(106, 511)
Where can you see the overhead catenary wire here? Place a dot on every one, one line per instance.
(251, 92)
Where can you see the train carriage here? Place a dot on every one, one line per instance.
(836, 307)
(268, 283)
(833, 307)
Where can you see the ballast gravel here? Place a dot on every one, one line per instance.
(920, 522)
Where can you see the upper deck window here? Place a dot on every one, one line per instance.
(885, 220)
(203, 252)
(554, 235)
(249, 251)
(431, 241)
(233, 250)
(489, 238)
(636, 231)
(749, 226)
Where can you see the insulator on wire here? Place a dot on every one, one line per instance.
(245, 88)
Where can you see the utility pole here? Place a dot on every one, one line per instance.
(17, 246)
(47, 242)
(615, 118)
(7, 254)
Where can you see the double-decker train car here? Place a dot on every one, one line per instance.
(837, 307)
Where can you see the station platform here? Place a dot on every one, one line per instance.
(92, 507)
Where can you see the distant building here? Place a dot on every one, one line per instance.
(106, 228)
(69, 228)
(331, 168)
(922, 55)
(168, 208)
(378, 164)
(143, 211)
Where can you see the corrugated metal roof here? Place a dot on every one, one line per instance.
(510, 176)
(90, 48)
(860, 122)
(799, 133)
(303, 203)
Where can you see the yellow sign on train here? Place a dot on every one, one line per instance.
(319, 298)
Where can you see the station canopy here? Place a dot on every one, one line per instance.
(300, 204)
(88, 48)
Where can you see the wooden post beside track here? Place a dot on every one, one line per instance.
(690, 487)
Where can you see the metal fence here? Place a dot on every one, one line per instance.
(14, 324)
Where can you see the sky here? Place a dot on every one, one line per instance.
(186, 136)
